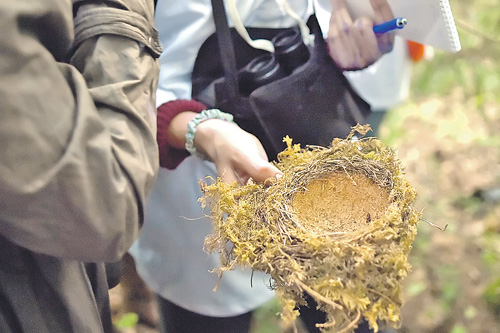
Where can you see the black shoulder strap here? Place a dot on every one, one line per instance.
(226, 48)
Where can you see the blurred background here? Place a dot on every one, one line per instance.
(448, 138)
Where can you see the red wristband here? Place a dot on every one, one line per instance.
(171, 157)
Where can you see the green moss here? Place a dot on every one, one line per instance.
(352, 274)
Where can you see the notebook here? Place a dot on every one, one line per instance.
(430, 22)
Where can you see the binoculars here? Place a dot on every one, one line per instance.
(290, 53)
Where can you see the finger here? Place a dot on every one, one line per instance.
(227, 175)
(358, 49)
(382, 11)
(339, 35)
(273, 174)
(242, 180)
(386, 42)
(340, 19)
(367, 44)
(341, 49)
(340, 16)
(340, 43)
(262, 172)
(338, 5)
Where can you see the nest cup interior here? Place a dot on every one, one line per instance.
(339, 203)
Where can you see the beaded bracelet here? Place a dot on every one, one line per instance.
(201, 117)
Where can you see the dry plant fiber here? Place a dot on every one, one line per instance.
(338, 226)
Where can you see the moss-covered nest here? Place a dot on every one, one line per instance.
(338, 225)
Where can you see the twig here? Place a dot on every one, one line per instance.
(470, 29)
(319, 296)
(351, 325)
(435, 225)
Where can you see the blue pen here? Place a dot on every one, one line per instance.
(397, 23)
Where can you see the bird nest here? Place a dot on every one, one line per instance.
(337, 226)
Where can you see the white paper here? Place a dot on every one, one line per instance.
(430, 22)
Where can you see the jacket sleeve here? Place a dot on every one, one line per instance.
(77, 124)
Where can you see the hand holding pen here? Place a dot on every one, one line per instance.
(354, 44)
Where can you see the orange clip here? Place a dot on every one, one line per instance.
(416, 51)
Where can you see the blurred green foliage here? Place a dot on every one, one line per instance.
(475, 69)
(267, 319)
(455, 98)
(127, 320)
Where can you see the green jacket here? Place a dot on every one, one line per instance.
(78, 153)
